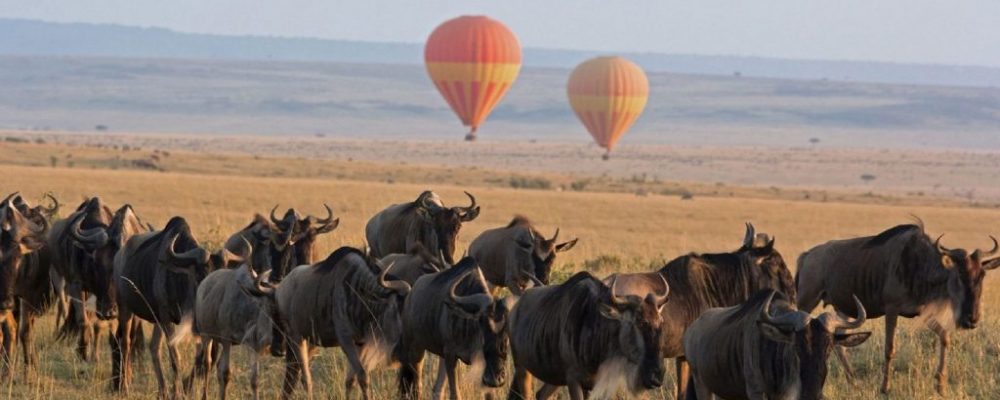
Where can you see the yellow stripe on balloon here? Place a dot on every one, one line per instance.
(472, 72)
(626, 104)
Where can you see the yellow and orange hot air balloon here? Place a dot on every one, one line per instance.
(607, 94)
(472, 60)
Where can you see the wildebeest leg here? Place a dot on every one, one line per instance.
(62, 302)
(200, 368)
(520, 386)
(8, 328)
(357, 368)
(442, 376)
(24, 334)
(223, 370)
(254, 372)
(174, 356)
(307, 379)
(293, 365)
(411, 364)
(942, 369)
(154, 355)
(842, 356)
(683, 373)
(121, 352)
(575, 391)
(450, 364)
(890, 349)
(546, 391)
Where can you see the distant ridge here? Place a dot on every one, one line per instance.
(29, 37)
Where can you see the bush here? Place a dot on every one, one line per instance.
(521, 182)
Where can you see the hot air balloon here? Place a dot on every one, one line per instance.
(607, 94)
(472, 60)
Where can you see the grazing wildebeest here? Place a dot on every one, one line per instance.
(282, 244)
(702, 281)
(765, 349)
(156, 275)
(74, 243)
(517, 255)
(415, 263)
(581, 335)
(232, 307)
(452, 315)
(425, 220)
(19, 237)
(344, 300)
(900, 272)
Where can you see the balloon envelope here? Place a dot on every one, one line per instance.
(472, 60)
(607, 94)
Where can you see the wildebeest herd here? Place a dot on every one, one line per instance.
(737, 323)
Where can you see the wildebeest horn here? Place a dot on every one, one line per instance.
(261, 287)
(195, 255)
(471, 212)
(399, 286)
(10, 197)
(93, 237)
(555, 236)
(843, 322)
(790, 321)
(748, 237)
(661, 299)
(481, 301)
(987, 254)
(424, 202)
(329, 216)
(940, 248)
(54, 209)
(15, 220)
(274, 219)
(616, 299)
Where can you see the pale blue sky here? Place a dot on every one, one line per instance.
(923, 31)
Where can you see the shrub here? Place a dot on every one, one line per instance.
(521, 182)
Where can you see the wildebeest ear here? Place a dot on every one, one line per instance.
(610, 312)
(772, 332)
(566, 246)
(946, 262)
(851, 339)
(991, 264)
(329, 227)
(424, 213)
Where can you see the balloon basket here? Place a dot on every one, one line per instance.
(471, 137)
(606, 156)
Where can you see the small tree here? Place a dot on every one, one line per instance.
(814, 141)
(867, 178)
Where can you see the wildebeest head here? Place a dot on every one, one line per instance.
(36, 213)
(543, 252)
(491, 315)
(306, 231)
(445, 222)
(183, 255)
(640, 327)
(19, 236)
(100, 243)
(765, 262)
(966, 273)
(807, 341)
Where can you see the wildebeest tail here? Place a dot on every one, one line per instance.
(691, 392)
(72, 324)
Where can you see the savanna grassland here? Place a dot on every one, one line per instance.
(619, 230)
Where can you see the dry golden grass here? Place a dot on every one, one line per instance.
(637, 230)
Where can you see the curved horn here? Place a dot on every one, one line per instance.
(940, 248)
(479, 300)
(324, 221)
(748, 237)
(471, 212)
(93, 237)
(991, 253)
(843, 322)
(54, 209)
(423, 201)
(274, 219)
(555, 236)
(399, 286)
(10, 197)
(765, 312)
(197, 254)
(615, 299)
(261, 287)
(789, 321)
(661, 299)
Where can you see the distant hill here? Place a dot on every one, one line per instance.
(26, 37)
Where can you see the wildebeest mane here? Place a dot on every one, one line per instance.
(519, 220)
(176, 225)
(751, 308)
(889, 234)
(463, 266)
(327, 265)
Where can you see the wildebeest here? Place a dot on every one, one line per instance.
(452, 314)
(900, 272)
(516, 255)
(702, 281)
(20, 236)
(765, 349)
(581, 335)
(74, 243)
(425, 220)
(345, 300)
(415, 263)
(232, 307)
(156, 275)
(282, 244)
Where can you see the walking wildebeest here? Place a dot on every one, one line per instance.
(581, 335)
(702, 281)
(425, 220)
(452, 315)
(765, 349)
(232, 307)
(415, 263)
(517, 255)
(898, 273)
(282, 244)
(20, 236)
(344, 300)
(156, 276)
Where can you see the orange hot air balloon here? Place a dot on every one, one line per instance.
(472, 60)
(607, 94)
